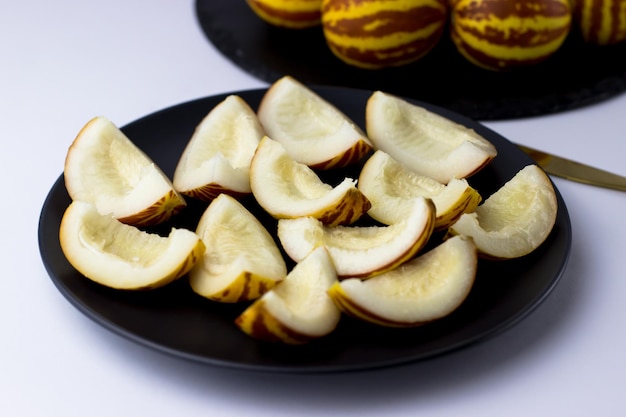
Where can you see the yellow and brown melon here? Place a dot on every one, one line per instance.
(505, 34)
(601, 22)
(375, 34)
(291, 14)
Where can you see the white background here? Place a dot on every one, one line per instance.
(63, 62)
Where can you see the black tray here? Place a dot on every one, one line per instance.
(577, 75)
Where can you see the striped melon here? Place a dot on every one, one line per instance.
(505, 34)
(382, 33)
(291, 14)
(601, 22)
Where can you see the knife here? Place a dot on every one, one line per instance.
(575, 171)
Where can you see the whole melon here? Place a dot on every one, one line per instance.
(291, 14)
(506, 34)
(375, 34)
(601, 22)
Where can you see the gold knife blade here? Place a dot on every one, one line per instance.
(575, 171)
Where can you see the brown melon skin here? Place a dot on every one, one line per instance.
(361, 35)
(516, 33)
(289, 14)
(601, 22)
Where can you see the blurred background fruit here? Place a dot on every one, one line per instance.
(497, 35)
(601, 22)
(376, 34)
(505, 34)
(293, 14)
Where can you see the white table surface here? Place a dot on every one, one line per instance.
(66, 61)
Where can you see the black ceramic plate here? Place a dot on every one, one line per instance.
(577, 75)
(176, 321)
